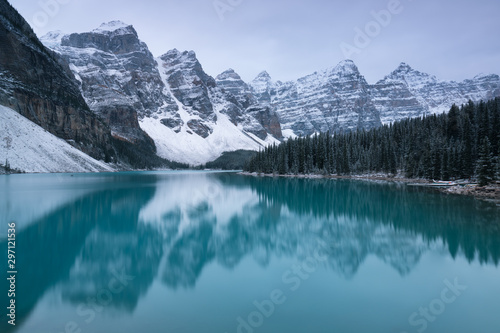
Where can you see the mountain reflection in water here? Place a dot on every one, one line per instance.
(170, 226)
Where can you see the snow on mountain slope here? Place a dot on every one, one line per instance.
(112, 26)
(437, 96)
(180, 143)
(193, 118)
(339, 98)
(117, 76)
(334, 99)
(187, 147)
(181, 108)
(30, 148)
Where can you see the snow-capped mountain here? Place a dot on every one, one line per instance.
(339, 98)
(169, 99)
(436, 96)
(117, 75)
(333, 99)
(171, 107)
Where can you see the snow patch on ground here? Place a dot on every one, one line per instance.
(30, 148)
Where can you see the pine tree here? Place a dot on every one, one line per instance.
(485, 164)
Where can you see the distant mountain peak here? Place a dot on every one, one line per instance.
(345, 67)
(406, 74)
(228, 74)
(172, 52)
(112, 26)
(483, 76)
(52, 38)
(404, 67)
(180, 56)
(263, 74)
(263, 77)
(53, 34)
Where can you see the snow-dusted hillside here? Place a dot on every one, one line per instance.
(198, 129)
(193, 118)
(186, 147)
(30, 148)
(436, 96)
(189, 117)
(339, 98)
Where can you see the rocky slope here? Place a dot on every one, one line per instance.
(117, 75)
(330, 100)
(36, 84)
(191, 116)
(436, 96)
(171, 107)
(30, 148)
(339, 98)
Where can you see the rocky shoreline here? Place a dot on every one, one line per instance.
(489, 193)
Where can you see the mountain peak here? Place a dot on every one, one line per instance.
(176, 53)
(263, 76)
(404, 68)
(173, 52)
(346, 67)
(484, 76)
(228, 74)
(111, 26)
(409, 76)
(52, 38)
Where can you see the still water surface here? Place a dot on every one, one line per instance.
(220, 252)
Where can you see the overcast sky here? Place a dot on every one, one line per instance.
(452, 39)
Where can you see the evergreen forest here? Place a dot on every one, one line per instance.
(463, 143)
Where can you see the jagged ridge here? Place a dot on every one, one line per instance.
(193, 117)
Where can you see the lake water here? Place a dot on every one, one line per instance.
(220, 252)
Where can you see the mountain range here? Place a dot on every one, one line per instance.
(106, 94)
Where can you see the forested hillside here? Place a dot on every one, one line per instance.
(463, 143)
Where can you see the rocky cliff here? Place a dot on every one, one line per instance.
(170, 99)
(37, 84)
(117, 76)
(339, 98)
(172, 105)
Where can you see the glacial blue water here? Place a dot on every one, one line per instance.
(222, 252)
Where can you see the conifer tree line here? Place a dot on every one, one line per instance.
(463, 143)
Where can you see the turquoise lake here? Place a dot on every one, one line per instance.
(221, 252)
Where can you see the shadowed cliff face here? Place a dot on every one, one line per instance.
(35, 83)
